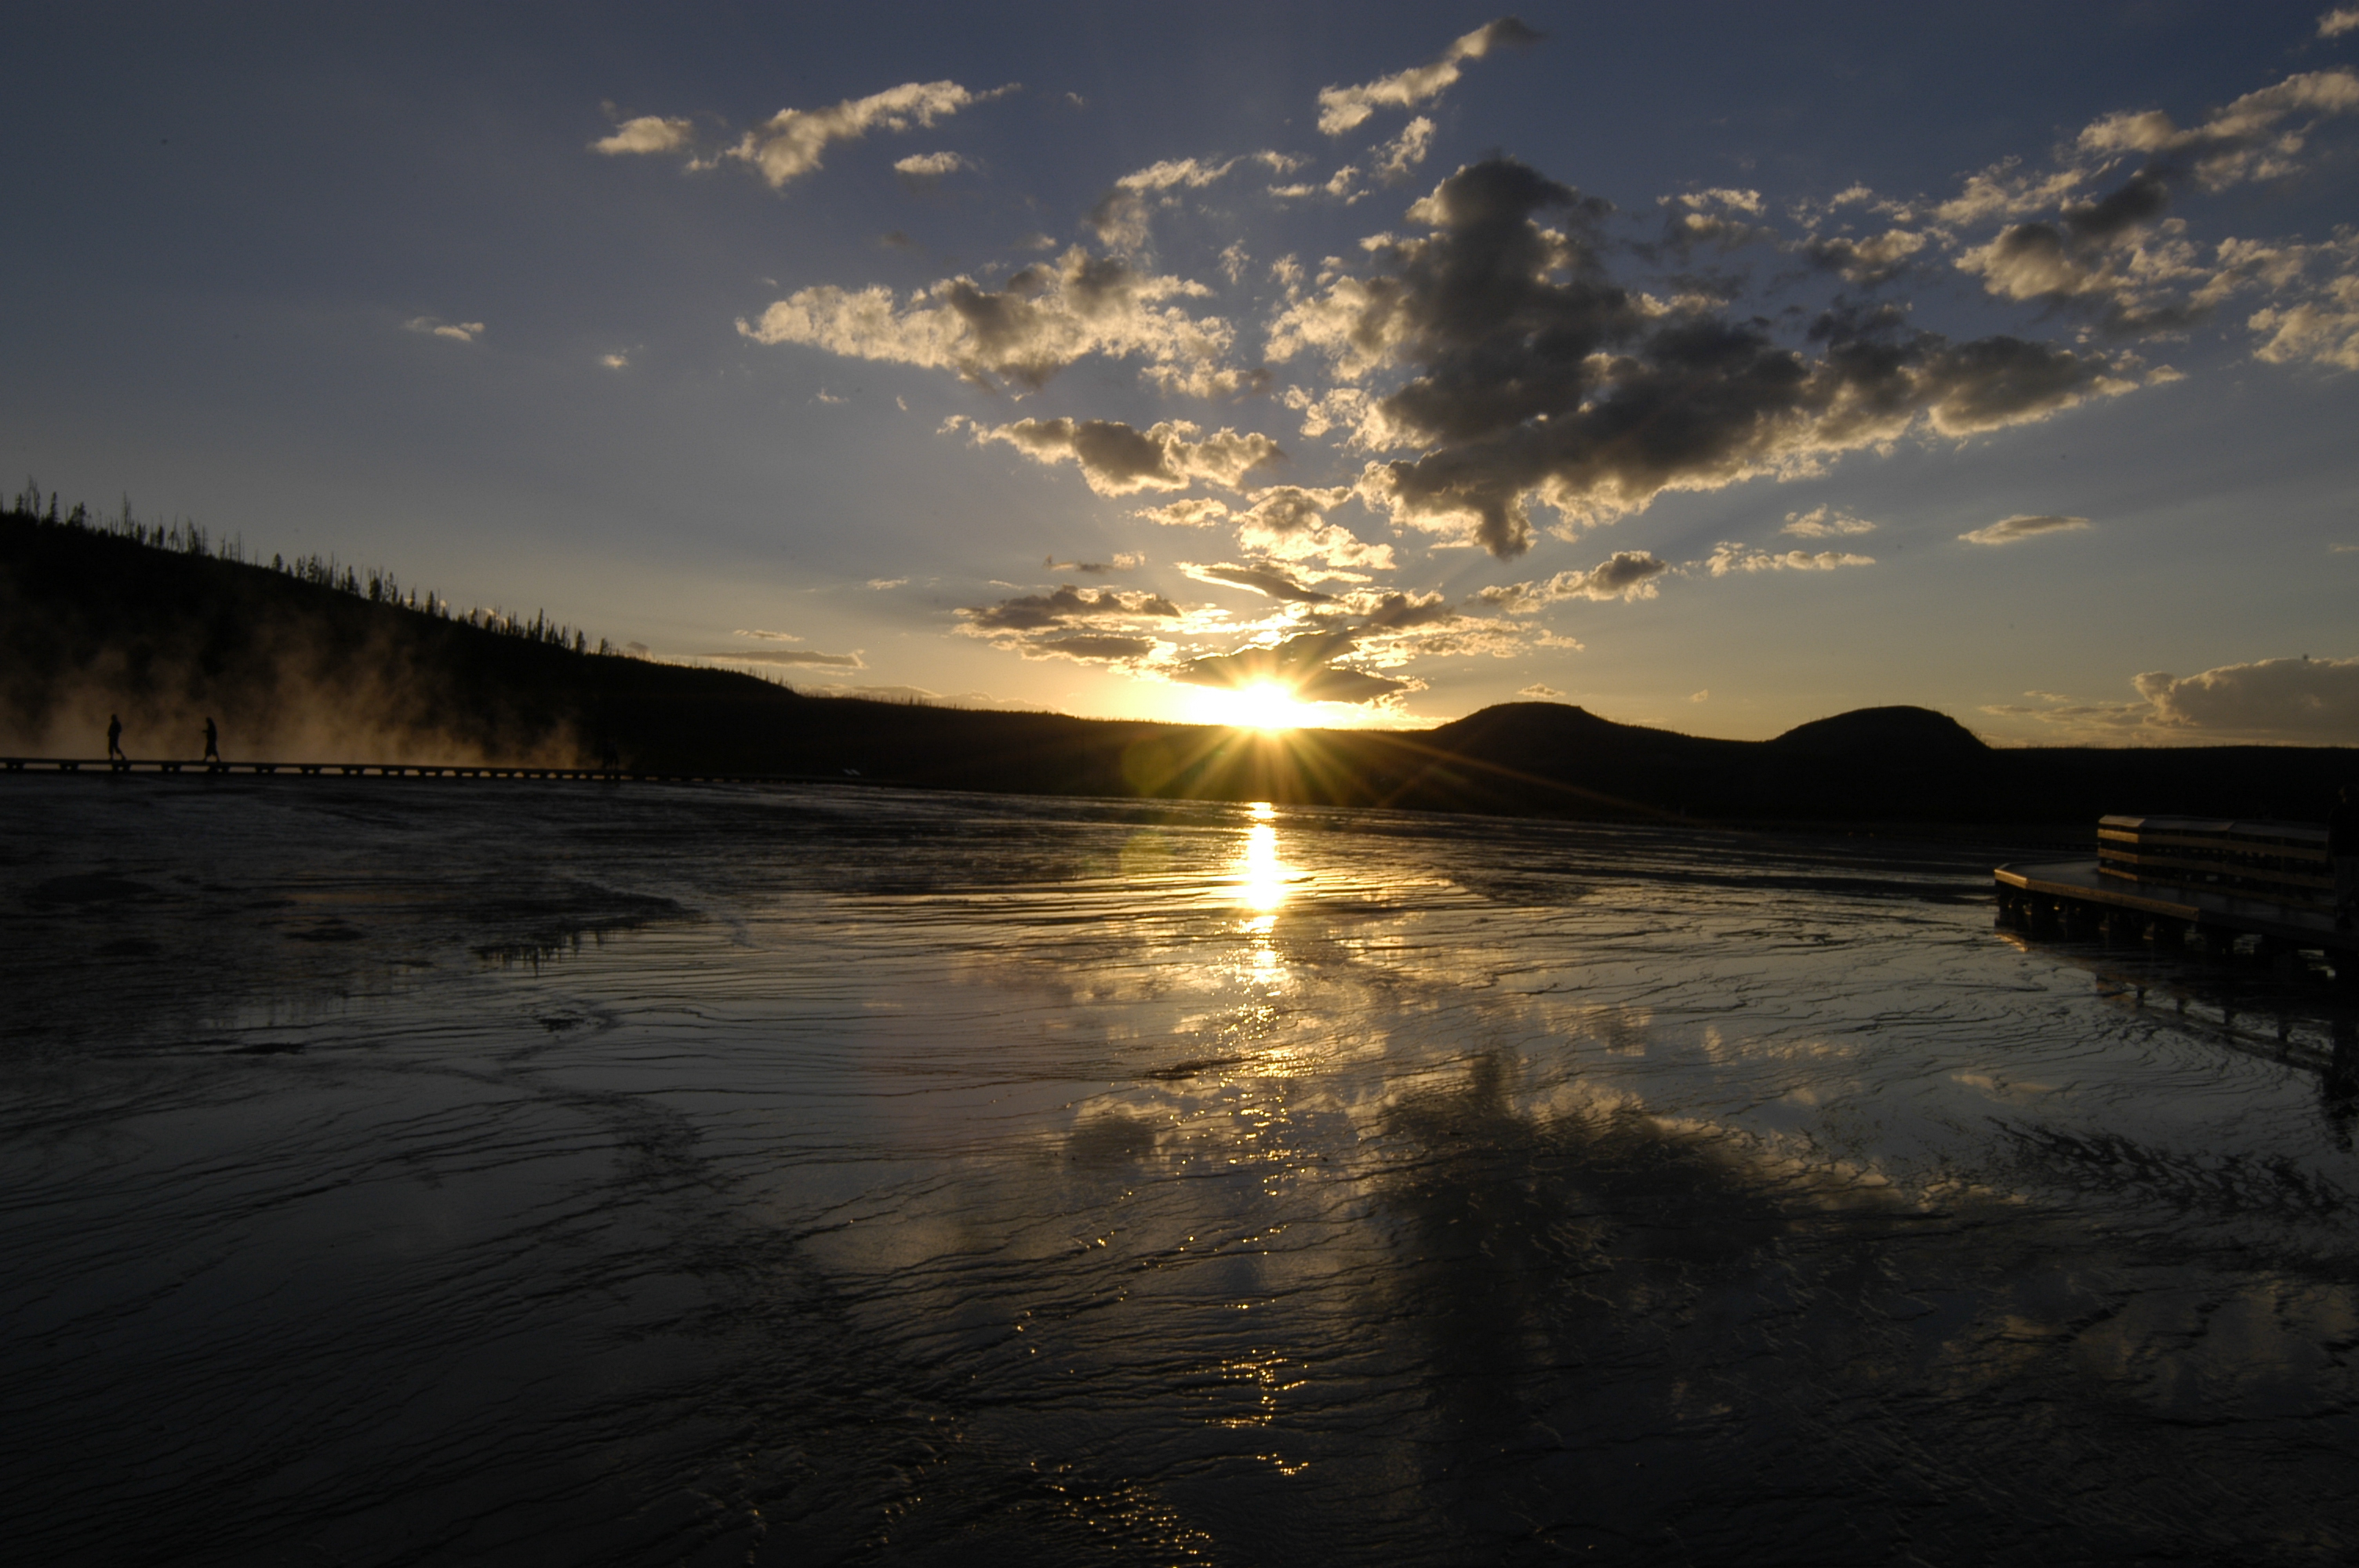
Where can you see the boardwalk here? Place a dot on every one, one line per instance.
(2214, 884)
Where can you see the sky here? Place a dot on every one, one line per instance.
(1717, 367)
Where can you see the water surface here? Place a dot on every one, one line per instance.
(401, 1171)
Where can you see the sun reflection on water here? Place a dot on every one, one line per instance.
(1263, 881)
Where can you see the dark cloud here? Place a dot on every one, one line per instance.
(1033, 611)
(1624, 574)
(1117, 460)
(1304, 665)
(1403, 611)
(1536, 377)
(1096, 645)
(1877, 259)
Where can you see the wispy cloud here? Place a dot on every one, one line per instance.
(923, 170)
(434, 326)
(790, 658)
(2023, 525)
(646, 134)
(789, 144)
(1728, 557)
(1825, 523)
(1343, 108)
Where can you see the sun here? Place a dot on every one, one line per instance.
(1264, 704)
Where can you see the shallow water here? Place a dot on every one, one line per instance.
(417, 1172)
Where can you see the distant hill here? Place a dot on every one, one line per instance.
(304, 665)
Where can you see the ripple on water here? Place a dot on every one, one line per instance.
(406, 1174)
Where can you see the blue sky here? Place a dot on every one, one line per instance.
(1712, 366)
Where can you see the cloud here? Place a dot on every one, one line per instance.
(1117, 460)
(1876, 259)
(1069, 606)
(1189, 513)
(1343, 108)
(2240, 141)
(1289, 522)
(771, 636)
(1700, 695)
(2314, 701)
(920, 171)
(1397, 157)
(2323, 328)
(1108, 625)
(1303, 663)
(799, 656)
(1534, 377)
(620, 360)
(647, 134)
(2121, 252)
(1728, 557)
(1270, 582)
(1121, 563)
(1120, 218)
(1626, 575)
(1171, 172)
(1102, 625)
(2339, 21)
(1541, 693)
(1045, 318)
(1824, 523)
(2023, 525)
(787, 145)
(457, 331)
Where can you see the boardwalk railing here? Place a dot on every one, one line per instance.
(2283, 862)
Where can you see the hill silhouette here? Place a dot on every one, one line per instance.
(313, 663)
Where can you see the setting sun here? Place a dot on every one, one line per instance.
(1264, 704)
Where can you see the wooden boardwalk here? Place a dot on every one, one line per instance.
(2183, 880)
(2073, 895)
(153, 767)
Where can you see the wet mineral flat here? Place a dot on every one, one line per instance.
(496, 1172)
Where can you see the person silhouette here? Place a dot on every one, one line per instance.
(115, 739)
(212, 741)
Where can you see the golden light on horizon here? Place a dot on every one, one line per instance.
(1266, 705)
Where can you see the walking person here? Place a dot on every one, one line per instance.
(2342, 848)
(212, 742)
(115, 740)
